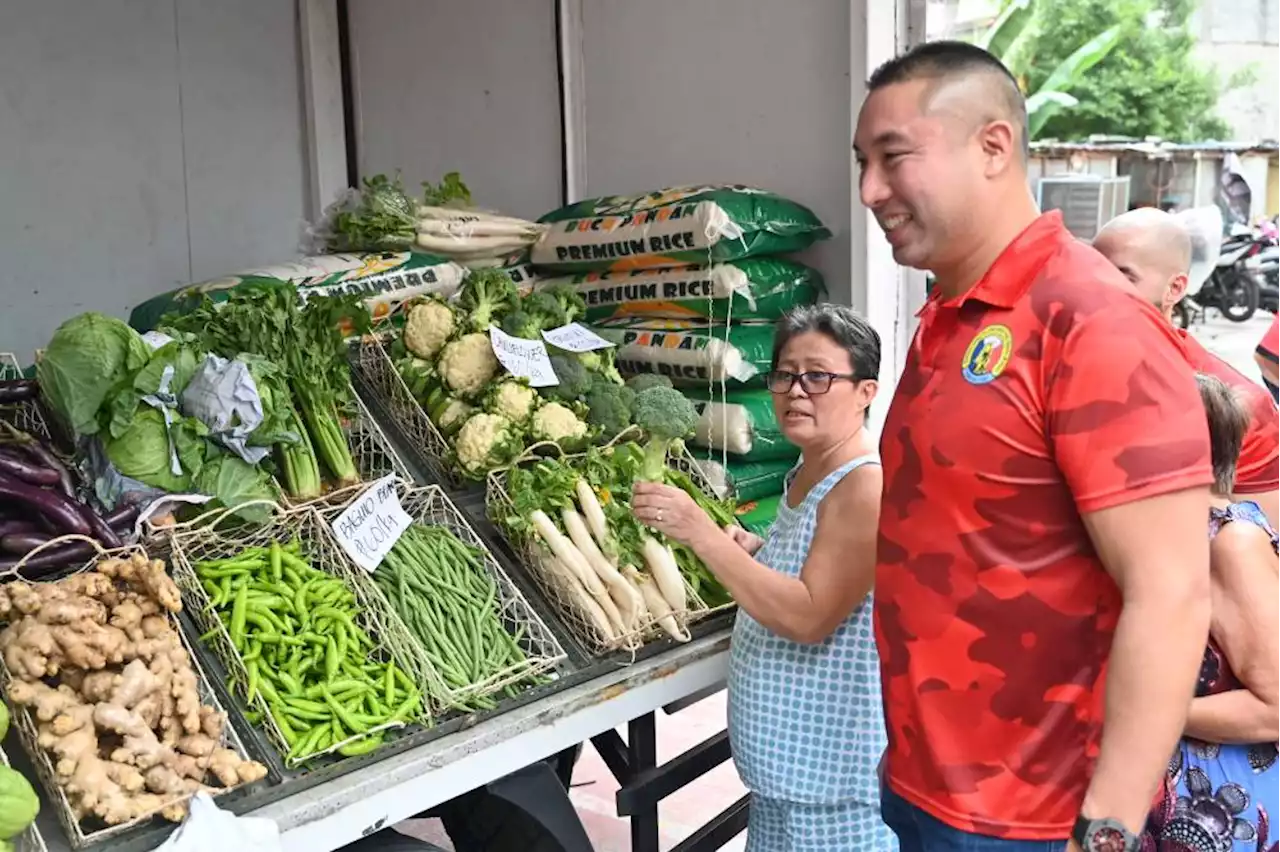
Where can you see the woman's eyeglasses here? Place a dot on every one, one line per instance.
(812, 383)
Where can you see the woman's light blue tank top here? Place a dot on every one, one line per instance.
(805, 721)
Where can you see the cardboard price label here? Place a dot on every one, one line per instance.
(526, 359)
(370, 527)
(575, 338)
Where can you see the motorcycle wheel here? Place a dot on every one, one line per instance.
(1240, 297)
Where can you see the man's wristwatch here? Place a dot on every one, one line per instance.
(1103, 835)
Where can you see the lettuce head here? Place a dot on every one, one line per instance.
(87, 356)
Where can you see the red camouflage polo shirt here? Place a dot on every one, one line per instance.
(1258, 468)
(1047, 390)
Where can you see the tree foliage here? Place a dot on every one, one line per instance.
(1146, 82)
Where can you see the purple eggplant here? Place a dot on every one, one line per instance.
(48, 562)
(22, 543)
(44, 456)
(26, 470)
(18, 390)
(102, 531)
(122, 514)
(17, 526)
(55, 508)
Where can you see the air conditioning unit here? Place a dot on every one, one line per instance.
(1087, 202)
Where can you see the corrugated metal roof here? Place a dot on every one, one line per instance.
(1153, 148)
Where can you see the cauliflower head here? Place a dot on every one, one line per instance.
(431, 323)
(447, 412)
(559, 423)
(512, 399)
(486, 441)
(468, 364)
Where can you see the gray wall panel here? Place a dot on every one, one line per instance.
(471, 87)
(92, 215)
(242, 126)
(745, 91)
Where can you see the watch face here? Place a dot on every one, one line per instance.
(1106, 839)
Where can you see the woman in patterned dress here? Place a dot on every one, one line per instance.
(1223, 782)
(805, 718)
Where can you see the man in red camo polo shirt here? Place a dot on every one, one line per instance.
(1153, 251)
(1268, 359)
(1046, 467)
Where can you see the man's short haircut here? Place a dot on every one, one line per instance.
(954, 60)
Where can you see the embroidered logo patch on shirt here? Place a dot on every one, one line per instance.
(987, 355)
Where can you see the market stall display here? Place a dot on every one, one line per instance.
(470, 620)
(109, 700)
(19, 804)
(318, 660)
(617, 584)
(461, 411)
(740, 423)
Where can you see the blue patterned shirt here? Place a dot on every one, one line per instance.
(805, 721)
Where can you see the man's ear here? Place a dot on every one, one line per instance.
(1176, 290)
(1000, 145)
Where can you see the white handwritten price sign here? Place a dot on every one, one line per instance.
(575, 338)
(524, 358)
(370, 527)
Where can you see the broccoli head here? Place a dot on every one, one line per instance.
(571, 303)
(602, 363)
(644, 381)
(575, 380)
(521, 323)
(609, 407)
(667, 417)
(487, 296)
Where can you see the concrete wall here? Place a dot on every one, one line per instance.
(724, 91)
(146, 143)
(471, 87)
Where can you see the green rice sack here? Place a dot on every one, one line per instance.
(741, 423)
(685, 225)
(385, 279)
(757, 516)
(692, 354)
(745, 480)
(761, 288)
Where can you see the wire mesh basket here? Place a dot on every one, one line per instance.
(30, 839)
(379, 373)
(542, 652)
(25, 415)
(29, 733)
(567, 595)
(370, 450)
(193, 545)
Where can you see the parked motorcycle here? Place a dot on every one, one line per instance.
(1232, 287)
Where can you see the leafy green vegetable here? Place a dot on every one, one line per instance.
(233, 481)
(307, 343)
(451, 191)
(87, 356)
(382, 217)
(487, 296)
(164, 458)
(165, 375)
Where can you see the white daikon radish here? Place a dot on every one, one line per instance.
(477, 228)
(574, 560)
(630, 604)
(666, 573)
(596, 521)
(658, 606)
(428, 212)
(469, 245)
(567, 580)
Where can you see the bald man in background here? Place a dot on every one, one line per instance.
(1046, 471)
(1153, 251)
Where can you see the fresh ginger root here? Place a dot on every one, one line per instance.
(113, 692)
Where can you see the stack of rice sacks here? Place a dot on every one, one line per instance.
(688, 282)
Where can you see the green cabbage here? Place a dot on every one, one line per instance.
(88, 355)
(232, 481)
(142, 451)
(18, 803)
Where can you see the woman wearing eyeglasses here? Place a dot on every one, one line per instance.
(805, 718)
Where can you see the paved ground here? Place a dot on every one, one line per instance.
(594, 787)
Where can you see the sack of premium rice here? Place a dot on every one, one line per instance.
(674, 227)
(741, 423)
(745, 480)
(691, 353)
(757, 516)
(385, 279)
(751, 288)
